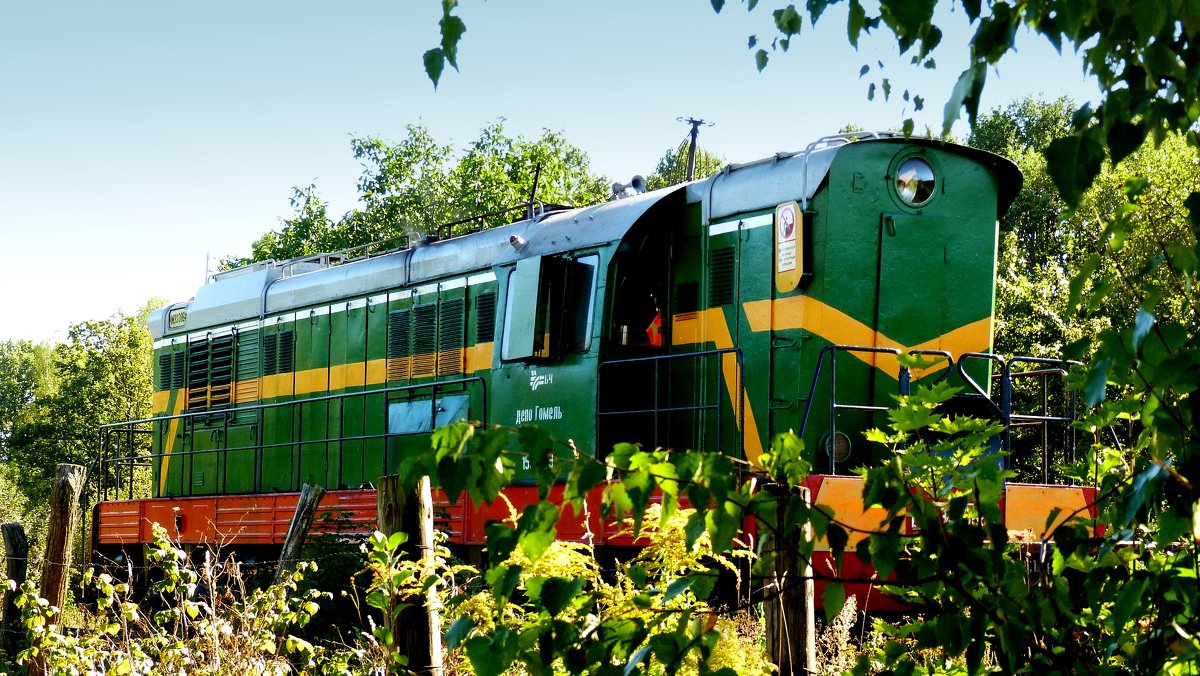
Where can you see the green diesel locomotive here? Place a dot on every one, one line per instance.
(772, 296)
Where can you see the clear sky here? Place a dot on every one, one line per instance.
(138, 138)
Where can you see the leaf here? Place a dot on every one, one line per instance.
(864, 70)
(855, 24)
(760, 59)
(1127, 603)
(1123, 138)
(1137, 496)
(635, 660)
(483, 659)
(703, 584)
(537, 528)
(1097, 381)
(718, 5)
(435, 63)
(503, 581)
(835, 598)
(585, 475)
(676, 588)
(838, 539)
(557, 592)
(1073, 162)
(788, 20)
(752, 42)
(458, 631)
(1142, 323)
(452, 31)
(1084, 274)
(965, 95)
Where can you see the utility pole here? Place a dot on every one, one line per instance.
(695, 132)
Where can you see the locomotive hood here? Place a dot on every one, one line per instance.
(738, 188)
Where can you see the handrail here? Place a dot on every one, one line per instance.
(198, 421)
(659, 360)
(834, 407)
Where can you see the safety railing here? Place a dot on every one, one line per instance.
(830, 352)
(126, 457)
(1034, 375)
(651, 398)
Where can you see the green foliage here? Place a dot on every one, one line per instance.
(26, 374)
(672, 166)
(1137, 52)
(409, 188)
(546, 606)
(100, 374)
(209, 624)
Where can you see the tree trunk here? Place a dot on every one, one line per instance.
(417, 630)
(789, 604)
(302, 521)
(16, 550)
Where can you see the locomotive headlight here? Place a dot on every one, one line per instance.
(914, 181)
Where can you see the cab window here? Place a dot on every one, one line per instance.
(548, 309)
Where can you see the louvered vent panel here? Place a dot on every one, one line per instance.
(485, 317)
(164, 371)
(178, 369)
(197, 375)
(221, 372)
(287, 352)
(246, 384)
(721, 280)
(424, 341)
(450, 337)
(399, 346)
(270, 354)
(687, 297)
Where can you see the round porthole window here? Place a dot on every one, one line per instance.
(915, 181)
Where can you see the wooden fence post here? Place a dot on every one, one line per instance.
(417, 628)
(302, 521)
(16, 551)
(790, 600)
(64, 523)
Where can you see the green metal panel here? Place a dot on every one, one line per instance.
(279, 461)
(348, 350)
(371, 464)
(312, 368)
(240, 461)
(238, 465)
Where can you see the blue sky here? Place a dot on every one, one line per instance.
(139, 138)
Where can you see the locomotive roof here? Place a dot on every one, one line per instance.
(270, 287)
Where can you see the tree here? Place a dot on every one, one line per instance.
(103, 375)
(410, 188)
(25, 376)
(672, 166)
